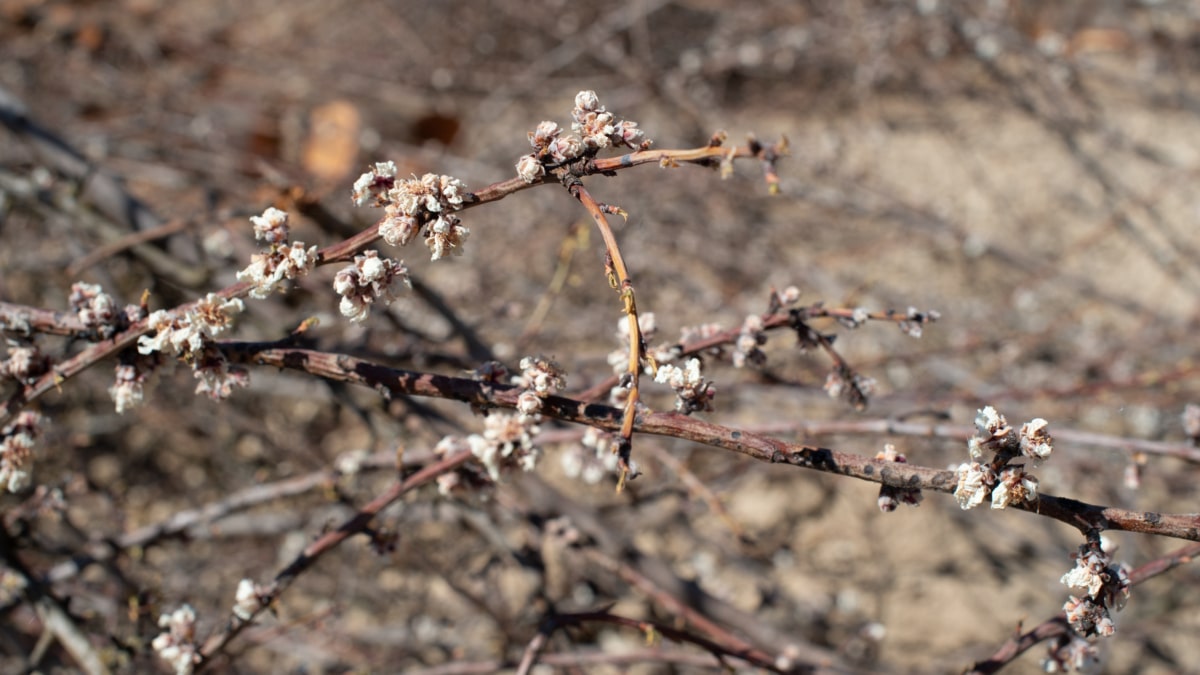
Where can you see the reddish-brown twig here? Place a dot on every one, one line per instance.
(1083, 516)
(313, 552)
(618, 279)
(1058, 626)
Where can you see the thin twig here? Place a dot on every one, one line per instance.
(1058, 626)
(314, 551)
(618, 279)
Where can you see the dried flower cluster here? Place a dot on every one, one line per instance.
(855, 387)
(594, 130)
(248, 600)
(127, 390)
(184, 335)
(190, 337)
(217, 377)
(97, 311)
(415, 203)
(995, 434)
(507, 438)
(177, 644)
(890, 498)
(271, 226)
(283, 260)
(1107, 587)
(25, 363)
(506, 443)
(915, 319)
(747, 347)
(1006, 484)
(368, 280)
(1071, 653)
(594, 458)
(16, 450)
(692, 392)
(540, 377)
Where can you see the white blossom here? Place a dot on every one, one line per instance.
(975, 481)
(271, 226)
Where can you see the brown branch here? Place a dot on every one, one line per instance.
(618, 278)
(1083, 516)
(26, 321)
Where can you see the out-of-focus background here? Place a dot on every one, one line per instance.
(1027, 169)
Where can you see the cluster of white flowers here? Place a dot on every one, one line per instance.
(368, 280)
(1107, 587)
(540, 377)
(177, 645)
(127, 390)
(284, 260)
(24, 363)
(594, 458)
(188, 336)
(217, 377)
(445, 235)
(185, 335)
(98, 312)
(915, 319)
(271, 226)
(858, 317)
(410, 204)
(1073, 655)
(1033, 441)
(890, 498)
(94, 307)
(747, 346)
(692, 392)
(507, 440)
(540, 374)
(1007, 484)
(16, 450)
(248, 600)
(857, 388)
(594, 129)
(619, 357)
(599, 129)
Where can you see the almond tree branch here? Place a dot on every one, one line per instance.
(1081, 515)
(339, 252)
